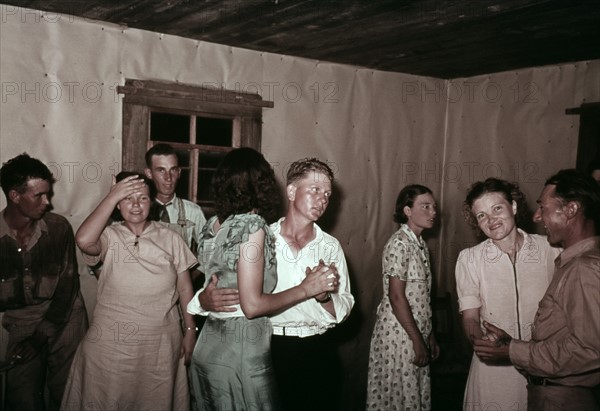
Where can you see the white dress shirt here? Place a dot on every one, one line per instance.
(309, 317)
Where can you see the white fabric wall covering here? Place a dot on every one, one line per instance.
(378, 130)
(517, 131)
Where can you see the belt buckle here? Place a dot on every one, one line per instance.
(292, 331)
(535, 380)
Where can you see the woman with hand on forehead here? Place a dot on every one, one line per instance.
(403, 341)
(134, 354)
(501, 280)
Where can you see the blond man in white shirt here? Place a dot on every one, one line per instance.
(303, 355)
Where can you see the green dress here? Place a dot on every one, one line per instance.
(231, 366)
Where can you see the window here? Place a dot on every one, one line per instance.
(202, 124)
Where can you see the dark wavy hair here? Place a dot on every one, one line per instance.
(574, 185)
(300, 168)
(245, 181)
(153, 215)
(510, 191)
(406, 198)
(17, 171)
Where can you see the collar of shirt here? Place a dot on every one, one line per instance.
(419, 240)
(527, 243)
(577, 249)
(171, 202)
(276, 229)
(39, 226)
(291, 268)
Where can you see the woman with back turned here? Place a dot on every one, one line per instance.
(231, 366)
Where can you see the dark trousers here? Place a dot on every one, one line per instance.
(560, 398)
(307, 372)
(25, 383)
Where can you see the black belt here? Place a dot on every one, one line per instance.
(534, 380)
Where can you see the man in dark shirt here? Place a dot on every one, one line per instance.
(43, 310)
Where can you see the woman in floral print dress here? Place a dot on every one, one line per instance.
(403, 342)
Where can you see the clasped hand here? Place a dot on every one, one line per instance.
(494, 346)
(319, 280)
(324, 278)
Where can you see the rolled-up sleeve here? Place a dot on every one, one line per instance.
(194, 306)
(343, 300)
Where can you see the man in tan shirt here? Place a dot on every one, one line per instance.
(562, 360)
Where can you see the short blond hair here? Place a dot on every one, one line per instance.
(300, 168)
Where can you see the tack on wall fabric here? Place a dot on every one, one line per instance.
(513, 126)
(59, 104)
(379, 131)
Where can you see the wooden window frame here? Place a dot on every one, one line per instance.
(588, 145)
(142, 97)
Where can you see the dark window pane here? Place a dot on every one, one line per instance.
(207, 165)
(184, 157)
(204, 185)
(182, 184)
(214, 131)
(173, 128)
(210, 159)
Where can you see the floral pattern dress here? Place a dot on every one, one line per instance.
(395, 383)
(231, 365)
